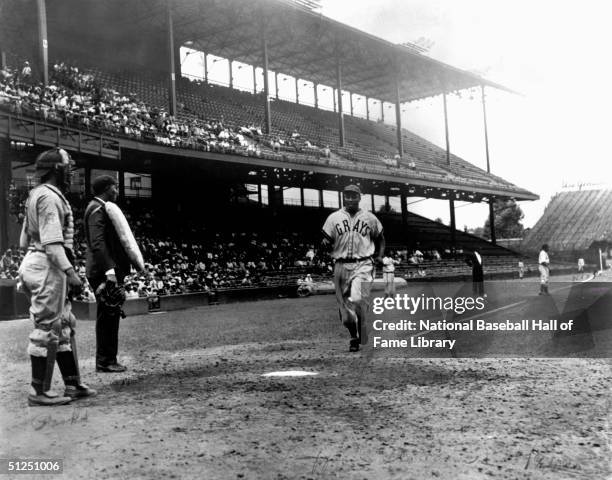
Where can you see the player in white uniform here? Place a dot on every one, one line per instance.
(389, 264)
(543, 266)
(354, 236)
(47, 276)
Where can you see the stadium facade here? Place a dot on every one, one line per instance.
(133, 49)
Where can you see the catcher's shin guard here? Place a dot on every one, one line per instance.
(69, 364)
(51, 357)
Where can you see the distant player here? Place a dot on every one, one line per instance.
(354, 235)
(543, 266)
(389, 264)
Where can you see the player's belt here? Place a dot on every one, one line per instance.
(353, 260)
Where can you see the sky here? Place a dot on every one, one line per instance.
(551, 135)
(555, 53)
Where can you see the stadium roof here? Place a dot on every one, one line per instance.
(301, 42)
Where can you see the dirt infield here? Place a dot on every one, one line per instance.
(194, 405)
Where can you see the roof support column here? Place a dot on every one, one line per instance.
(276, 83)
(334, 98)
(297, 90)
(453, 226)
(492, 221)
(205, 62)
(367, 108)
(264, 52)
(231, 73)
(316, 95)
(254, 81)
(6, 173)
(398, 115)
(339, 90)
(3, 60)
(446, 129)
(43, 42)
(382, 111)
(171, 60)
(486, 138)
(351, 99)
(404, 214)
(451, 201)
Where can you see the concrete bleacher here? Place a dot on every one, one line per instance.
(573, 221)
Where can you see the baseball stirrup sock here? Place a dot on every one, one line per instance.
(39, 367)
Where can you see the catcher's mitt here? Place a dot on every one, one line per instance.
(112, 295)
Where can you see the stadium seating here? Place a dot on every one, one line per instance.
(572, 221)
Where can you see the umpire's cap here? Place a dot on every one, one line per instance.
(52, 158)
(352, 188)
(101, 183)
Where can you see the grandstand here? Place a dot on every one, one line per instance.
(573, 223)
(112, 92)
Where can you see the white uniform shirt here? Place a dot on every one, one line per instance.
(543, 258)
(388, 265)
(353, 237)
(48, 218)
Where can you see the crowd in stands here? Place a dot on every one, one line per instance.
(75, 99)
(214, 261)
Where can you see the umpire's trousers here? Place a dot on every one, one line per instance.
(107, 329)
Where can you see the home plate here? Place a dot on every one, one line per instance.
(290, 373)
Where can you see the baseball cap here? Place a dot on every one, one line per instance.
(352, 188)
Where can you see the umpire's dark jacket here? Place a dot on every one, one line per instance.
(104, 249)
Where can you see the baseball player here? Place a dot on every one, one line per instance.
(354, 235)
(389, 264)
(47, 276)
(544, 268)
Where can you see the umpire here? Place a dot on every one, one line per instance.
(107, 265)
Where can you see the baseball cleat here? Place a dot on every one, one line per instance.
(46, 399)
(354, 345)
(79, 391)
(113, 368)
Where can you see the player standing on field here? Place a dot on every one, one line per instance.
(354, 235)
(389, 264)
(543, 266)
(47, 276)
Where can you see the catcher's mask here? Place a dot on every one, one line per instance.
(58, 162)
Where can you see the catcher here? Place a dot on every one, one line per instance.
(48, 278)
(110, 252)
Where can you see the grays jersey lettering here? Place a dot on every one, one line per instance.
(353, 237)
